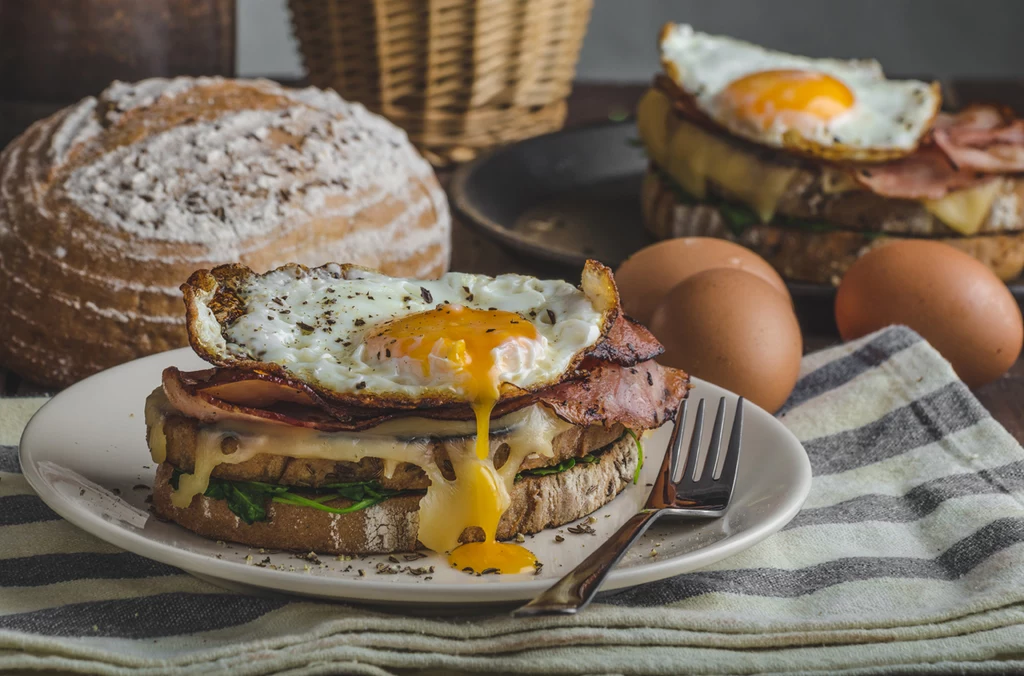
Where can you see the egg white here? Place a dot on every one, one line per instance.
(888, 115)
(314, 324)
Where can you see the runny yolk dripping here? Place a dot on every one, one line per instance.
(470, 344)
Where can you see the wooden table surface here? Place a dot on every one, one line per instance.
(591, 103)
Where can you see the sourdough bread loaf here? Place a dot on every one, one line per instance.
(107, 206)
(538, 502)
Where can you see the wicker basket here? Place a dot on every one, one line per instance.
(458, 75)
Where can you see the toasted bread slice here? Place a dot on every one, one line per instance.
(807, 254)
(538, 502)
(180, 433)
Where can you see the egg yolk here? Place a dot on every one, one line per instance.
(787, 97)
(469, 343)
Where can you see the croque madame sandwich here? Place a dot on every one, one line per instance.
(811, 162)
(352, 412)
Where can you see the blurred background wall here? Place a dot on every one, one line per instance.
(944, 38)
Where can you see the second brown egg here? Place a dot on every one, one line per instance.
(734, 329)
(647, 275)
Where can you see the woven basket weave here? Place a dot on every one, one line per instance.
(458, 75)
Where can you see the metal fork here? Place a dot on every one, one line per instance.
(694, 495)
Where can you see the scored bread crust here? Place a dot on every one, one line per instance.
(106, 206)
(180, 434)
(806, 255)
(538, 502)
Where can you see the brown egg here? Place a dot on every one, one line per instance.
(734, 329)
(956, 303)
(648, 274)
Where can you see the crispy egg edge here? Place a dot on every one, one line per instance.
(214, 294)
(792, 142)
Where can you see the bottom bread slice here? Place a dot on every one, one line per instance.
(808, 255)
(538, 502)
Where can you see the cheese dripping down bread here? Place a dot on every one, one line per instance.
(812, 162)
(338, 384)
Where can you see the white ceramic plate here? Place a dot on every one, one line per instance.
(85, 454)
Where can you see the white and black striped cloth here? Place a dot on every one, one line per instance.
(907, 557)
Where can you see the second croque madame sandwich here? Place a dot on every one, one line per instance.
(352, 412)
(812, 162)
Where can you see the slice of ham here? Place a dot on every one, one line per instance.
(925, 174)
(614, 381)
(982, 138)
(193, 394)
(977, 117)
(964, 150)
(640, 397)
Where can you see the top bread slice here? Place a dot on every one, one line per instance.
(181, 434)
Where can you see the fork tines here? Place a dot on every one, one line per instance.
(694, 472)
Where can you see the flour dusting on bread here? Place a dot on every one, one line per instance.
(108, 205)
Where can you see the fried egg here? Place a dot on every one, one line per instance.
(359, 334)
(837, 110)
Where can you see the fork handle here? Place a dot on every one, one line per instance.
(574, 591)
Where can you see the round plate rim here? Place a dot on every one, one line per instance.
(468, 214)
(366, 589)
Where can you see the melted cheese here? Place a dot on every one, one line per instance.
(449, 506)
(965, 210)
(692, 157)
(156, 406)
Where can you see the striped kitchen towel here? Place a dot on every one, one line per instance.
(907, 557)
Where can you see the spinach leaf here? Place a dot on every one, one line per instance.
(804, 224)
(248, 499)
(218, 490)
(247, 504)
(556, 469)
(272, 489)
(639, 454)
(737, 216)
(359, 490)
(300, 501)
